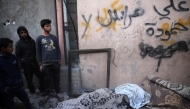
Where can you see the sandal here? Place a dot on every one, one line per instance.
(44, 101)
(60, 97)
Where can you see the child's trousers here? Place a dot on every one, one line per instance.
(52, 70)
(19, 92)
(29, 71)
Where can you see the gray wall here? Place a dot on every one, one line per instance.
(72, 7)
(28, 13)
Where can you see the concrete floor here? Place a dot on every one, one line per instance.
(35, 101)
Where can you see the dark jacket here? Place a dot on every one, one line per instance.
(10, 74)
(25, 50)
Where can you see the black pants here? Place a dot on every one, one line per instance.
(2, 102)
(29, 70)
(52, 70)
(19, 92)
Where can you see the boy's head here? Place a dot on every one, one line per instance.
(46, 25)
(22, 32)
(6, 46)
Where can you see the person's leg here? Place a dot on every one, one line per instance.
(28, 73)
(23, 96)
(56, 76)
(2, 101)
(47, 78)
(56, 79)
(40, 77)
(8, 96)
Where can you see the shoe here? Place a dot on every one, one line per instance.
(44, 100)
(34, 95)
(60, 97)
(42, 93)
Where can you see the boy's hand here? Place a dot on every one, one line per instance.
(41, 68)
(22, 70)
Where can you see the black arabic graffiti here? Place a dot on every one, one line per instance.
(160, 52)
(87, 24)
(137, 12)
(173, 31)
(165, 18)
(181, 9)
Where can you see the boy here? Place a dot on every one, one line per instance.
(26, 57)
(11, 83)
(49, 56)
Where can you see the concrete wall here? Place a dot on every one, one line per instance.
(72, 7)
(28, 13)
(123, 25)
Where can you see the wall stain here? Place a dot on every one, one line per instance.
(124, 68)
(133, 67)
(94, 85)
(173, 63)
(166, 27)
(188, 76)
(186, 23)
(90, 71)
(188, 43)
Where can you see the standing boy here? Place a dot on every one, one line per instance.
(26, 56)
(49, 56)
(11, 83)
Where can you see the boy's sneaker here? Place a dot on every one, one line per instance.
(34, 95)
(42, 94)
(60, 97)
(44, 100)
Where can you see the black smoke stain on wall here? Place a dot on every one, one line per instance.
(160, 52)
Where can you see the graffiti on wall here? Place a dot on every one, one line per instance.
(167, 30)
(160, 52)
(118, 15)
(87, 26)
(111, 16)
(103, 19)
(171, 5)
(168, 33)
